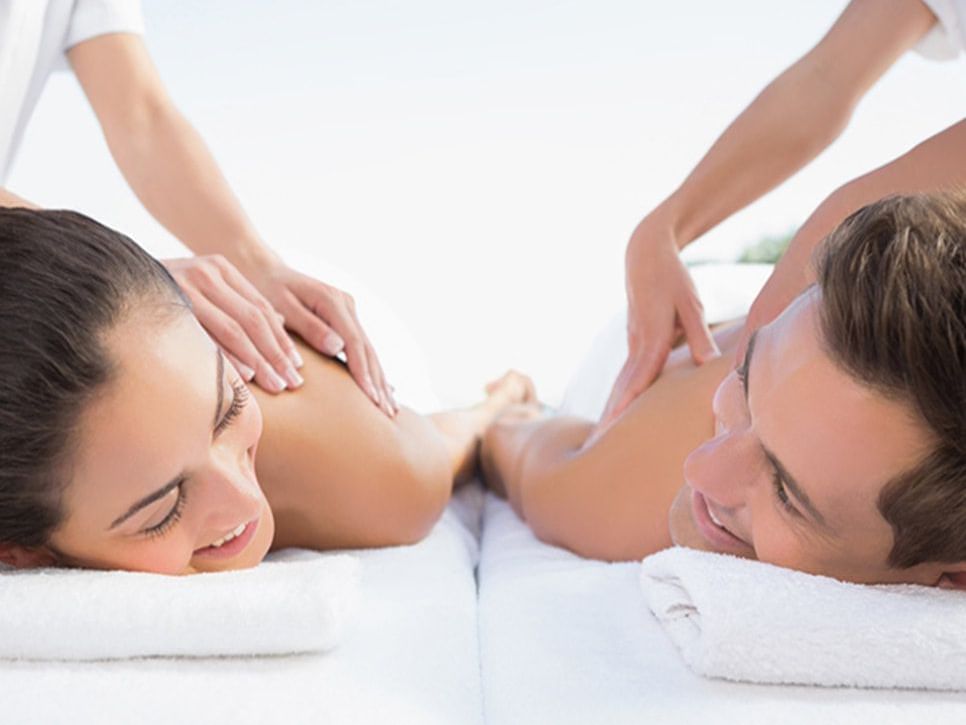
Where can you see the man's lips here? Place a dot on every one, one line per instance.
(709, 526)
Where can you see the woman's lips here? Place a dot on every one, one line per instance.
(718, 536)
(233, 547)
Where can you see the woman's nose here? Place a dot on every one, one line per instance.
(229, 495)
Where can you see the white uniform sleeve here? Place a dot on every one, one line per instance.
(91, 18)
(945, 40)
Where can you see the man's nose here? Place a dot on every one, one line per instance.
(723, 467)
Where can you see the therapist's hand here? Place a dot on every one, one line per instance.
(239, 319)
(662, 303)
(325, 317)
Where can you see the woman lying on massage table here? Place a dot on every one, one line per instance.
(127, 442)
(837, 448)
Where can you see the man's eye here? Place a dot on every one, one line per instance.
(781, 493)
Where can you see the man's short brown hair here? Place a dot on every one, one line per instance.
(893, 316)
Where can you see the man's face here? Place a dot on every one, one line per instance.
(800, 455)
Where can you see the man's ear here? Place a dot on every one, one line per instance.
(22, 557)
(953, 578)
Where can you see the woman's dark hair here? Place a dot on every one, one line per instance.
(893, 315)
(65, 281)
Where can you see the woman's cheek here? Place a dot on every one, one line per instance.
(162, 557)
(253, 422)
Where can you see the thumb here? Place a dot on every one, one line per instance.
(697, 333)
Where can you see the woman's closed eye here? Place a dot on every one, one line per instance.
(238, 402)
(174, 515)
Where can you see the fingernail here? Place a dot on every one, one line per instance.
(292, 377)
(296, 358)
(246, 372)
(371, 390)
(332, 344)
(275, 382)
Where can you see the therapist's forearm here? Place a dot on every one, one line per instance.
(176, 177)
(793, 119)
(936, 164)
(797, 115)
(9, 199)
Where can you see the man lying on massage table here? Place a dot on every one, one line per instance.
(838, 447)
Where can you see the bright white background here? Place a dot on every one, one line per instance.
(478, 165)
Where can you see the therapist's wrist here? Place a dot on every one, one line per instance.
(251, 254)
(679, 218)
(656, 229)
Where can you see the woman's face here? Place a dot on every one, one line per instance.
(800, 454)
(165, 461)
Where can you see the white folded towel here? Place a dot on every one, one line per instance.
(294, 601)
(744, 620)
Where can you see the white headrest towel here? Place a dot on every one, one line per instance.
(744, 620)
(296, 601)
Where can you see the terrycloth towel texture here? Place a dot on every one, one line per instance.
(295, 601)
(748, 621)
(570, 641)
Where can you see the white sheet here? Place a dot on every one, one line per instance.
(410, 657)
(570, 640)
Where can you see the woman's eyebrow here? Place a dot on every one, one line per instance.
(174, 482)
(219, 376)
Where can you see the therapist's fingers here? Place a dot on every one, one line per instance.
(276, 321)
(325, 317)
(389, 404)
(274, 370)
(244, 371)
(649, 344)
(238, 318)
(696, 331)
(233, 339)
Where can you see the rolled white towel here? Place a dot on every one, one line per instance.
(744, 620)
(297, 601)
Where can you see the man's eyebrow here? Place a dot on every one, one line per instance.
(174, 482)
(795, 487)
(787, 478)
(746, 363)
